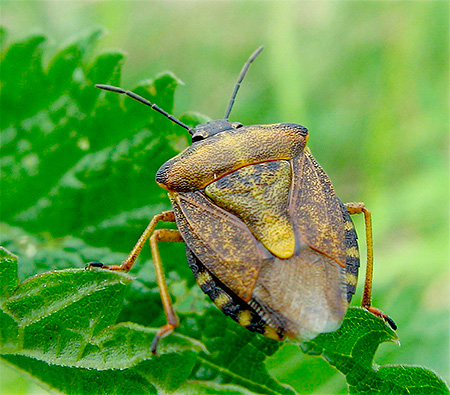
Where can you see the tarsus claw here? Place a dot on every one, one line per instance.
(385, 318)
(94, 264)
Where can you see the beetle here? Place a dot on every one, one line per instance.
(266, 237)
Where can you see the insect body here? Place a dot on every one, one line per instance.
(266, 236)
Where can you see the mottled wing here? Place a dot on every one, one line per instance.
(221, 241)
(307, 293)
(315, 210)
(300, 293)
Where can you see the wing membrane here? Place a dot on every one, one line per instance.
(303, 295)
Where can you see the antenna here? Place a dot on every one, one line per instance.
(144, 101)
(241, 77)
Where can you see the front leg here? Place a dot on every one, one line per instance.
(127, 264)
(156, 236)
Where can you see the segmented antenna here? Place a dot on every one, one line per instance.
(144, 101)
(241, 77)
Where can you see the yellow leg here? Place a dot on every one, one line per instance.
(166, 216)
(173, 236)
(358, 208)
(156, 236)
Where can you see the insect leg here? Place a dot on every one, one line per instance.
(166, 216)
(358, 208)
(164, 235)
(158, 235)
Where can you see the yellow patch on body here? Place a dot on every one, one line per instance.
(203, 278)
(245, 318)
(258, 195)
(348, 225)
(271, 333)
(222, 300)
(352, 252)
(351, 279)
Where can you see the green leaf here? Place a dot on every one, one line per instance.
(75, 381)
(235, 355)
(8, 273)
(208, 387)
(22, 80)
(66, 317)
(351, 349)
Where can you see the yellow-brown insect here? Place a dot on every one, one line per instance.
(266, 236)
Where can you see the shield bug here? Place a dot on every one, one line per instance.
(266, 236)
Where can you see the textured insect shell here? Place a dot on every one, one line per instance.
(190, 172)
(206, 160)
(297, 296)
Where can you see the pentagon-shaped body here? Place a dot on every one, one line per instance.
(266, 236)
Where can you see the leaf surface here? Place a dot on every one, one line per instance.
(351, 349)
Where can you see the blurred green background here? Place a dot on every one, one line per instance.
(370, 80)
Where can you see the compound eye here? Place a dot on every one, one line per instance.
(199, 134)
(196, 138)
(236, 125)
